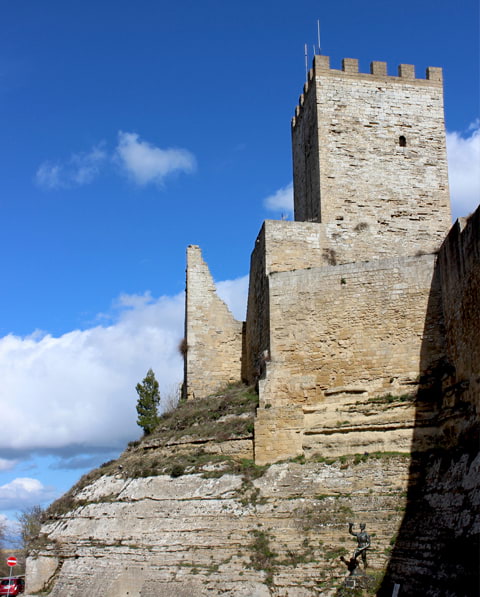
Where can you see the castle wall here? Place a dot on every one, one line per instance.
(443, 509)
(459, 266)
(293, 245)
(257, 326)
(287, 246)
(213, 336)
(306, 162)
(340, 336)
(366, 178)
(280, 246)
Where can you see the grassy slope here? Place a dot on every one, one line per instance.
(216, 419)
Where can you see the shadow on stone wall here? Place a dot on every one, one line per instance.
(437, 550)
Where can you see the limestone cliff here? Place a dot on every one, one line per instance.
(281, 534)
(186, 512)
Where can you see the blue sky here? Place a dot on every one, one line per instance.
(131, 130)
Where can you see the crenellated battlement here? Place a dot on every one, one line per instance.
(378, 71)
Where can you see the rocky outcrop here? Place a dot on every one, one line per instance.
(281, 533)
(186, 511)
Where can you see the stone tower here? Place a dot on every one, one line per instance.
(369, 151)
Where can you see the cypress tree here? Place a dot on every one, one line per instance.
(147, 404)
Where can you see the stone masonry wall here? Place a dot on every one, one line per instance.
(459, 267)
(213, 336)
(306, 162)
(287, 246)
(257, 326)
(367, 179)
(280, 246)
(442, 518)
(340, 336)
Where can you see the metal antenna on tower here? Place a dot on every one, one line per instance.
(318, 34)
(306, 62)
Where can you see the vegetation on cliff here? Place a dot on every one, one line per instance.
(280, 522)
(184, 441)
(148, 402)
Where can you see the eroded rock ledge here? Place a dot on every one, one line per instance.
(281, 533)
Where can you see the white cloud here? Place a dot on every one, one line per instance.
(281, 200)
(464, 170)
(141, 161)
(75, 394)
(24, 492)
(7, 464)
(86, 166)
(48, 176)
(235, 293)
(79, 388)
(145, 163)
(78, 170)
(11, 529)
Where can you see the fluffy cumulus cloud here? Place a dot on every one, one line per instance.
(145, 163)
(141, 161)
(25, 491)
(75, 394)
(78, 170)
(281, 201)
(464, 169)
(79, 389)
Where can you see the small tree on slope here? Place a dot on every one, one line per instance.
(148, 401)
(30, 520)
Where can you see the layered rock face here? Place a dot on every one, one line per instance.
(273, 531)
(202, 534)
(437, 547)
(185, 512)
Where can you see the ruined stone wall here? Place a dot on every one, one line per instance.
(213, 337)
(366, 178)
(340, 336)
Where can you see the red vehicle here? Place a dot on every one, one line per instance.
(12, 586)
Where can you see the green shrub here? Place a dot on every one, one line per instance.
(177, 471)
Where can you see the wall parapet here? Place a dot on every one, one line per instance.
(378, 71)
